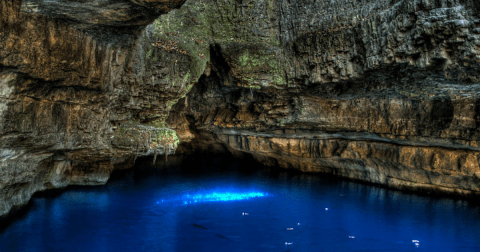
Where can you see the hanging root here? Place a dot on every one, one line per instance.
(155, 155)
(148, 137)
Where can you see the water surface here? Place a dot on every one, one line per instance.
(211, 204)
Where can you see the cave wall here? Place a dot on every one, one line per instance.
(72, 73)
(384, 91)
(381, 91)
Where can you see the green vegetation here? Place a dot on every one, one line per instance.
(184, 38)
(144, 139)
(252, 64)
(200, 23)
(149, 53)
(187, 77)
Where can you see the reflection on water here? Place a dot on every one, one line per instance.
(214, 205)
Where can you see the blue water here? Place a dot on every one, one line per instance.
(213, 205)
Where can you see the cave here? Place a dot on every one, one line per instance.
(367, 104)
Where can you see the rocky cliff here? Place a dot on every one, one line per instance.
(78, 95)
(384, 91)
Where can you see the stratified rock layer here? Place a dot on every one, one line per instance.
(380, 91)
(384, 91)
(72, 73)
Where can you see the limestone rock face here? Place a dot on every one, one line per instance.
(107, 13)
(72, 73)
(385, 91)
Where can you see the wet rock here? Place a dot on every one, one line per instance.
(378, 91)
(71, 74)
(384, 91)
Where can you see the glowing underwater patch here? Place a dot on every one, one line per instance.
(218, 196)
(221, 196)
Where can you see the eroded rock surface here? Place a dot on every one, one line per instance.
(74, 78)
(385, 91)
(380, 91)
